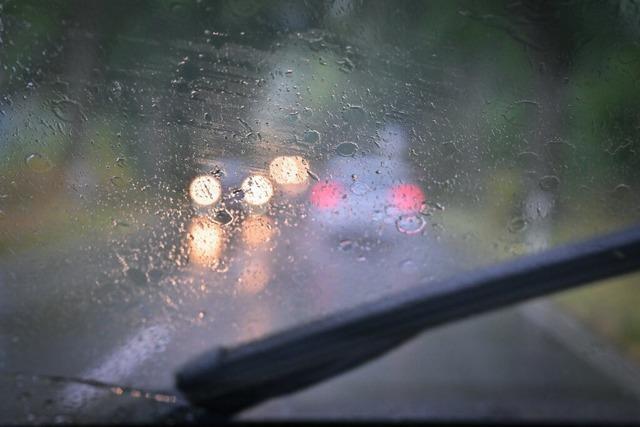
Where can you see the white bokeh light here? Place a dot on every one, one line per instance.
(205, 190)
(257, 190)
(289, 170)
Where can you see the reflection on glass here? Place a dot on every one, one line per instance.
(257, 190)
(205, 241)
(205, 190)
(255, 277)
(257, 230)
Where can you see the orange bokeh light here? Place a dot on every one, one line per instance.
(254, 277)
(257, 230)
(205, 241)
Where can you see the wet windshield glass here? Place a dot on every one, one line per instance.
(178, 175)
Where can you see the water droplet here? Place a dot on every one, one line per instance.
(345, 245)
(237, 194)
(38, 163)
(292, 117)
(410, 224)
(528, 157)
(117, 181)
(549, 182)
(223, 217)
(359, 188)
(67, 110)
(517, 225)
(116, 88)
(355, 115)
(408, 266)
(345, 65)
(311, 136)
(621, 191)
(347, 149)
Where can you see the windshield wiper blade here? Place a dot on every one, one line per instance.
(226, 381)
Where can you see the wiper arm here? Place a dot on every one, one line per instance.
(228, 380)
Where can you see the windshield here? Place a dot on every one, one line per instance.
(178, 175)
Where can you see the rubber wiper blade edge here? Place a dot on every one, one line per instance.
(226, 381)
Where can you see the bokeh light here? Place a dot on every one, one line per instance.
(257, 190)
(408, 198)
(287, 170)
(257, 230)
(205, 240)
(254, 277)
(257, 320)
(205, 190)
(327, 195)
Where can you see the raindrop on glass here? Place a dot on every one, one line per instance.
(359, 188)
(621, 191)
(345, 245)
(38, 163)
(410, 224)
(347, 149)
(312, 136)
(355, 115)
(116, 181)
(223, 217)
(408, 266)
(517, 225)
(549, 182)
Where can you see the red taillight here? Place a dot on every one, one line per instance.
(327, 195)
(408, 198)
